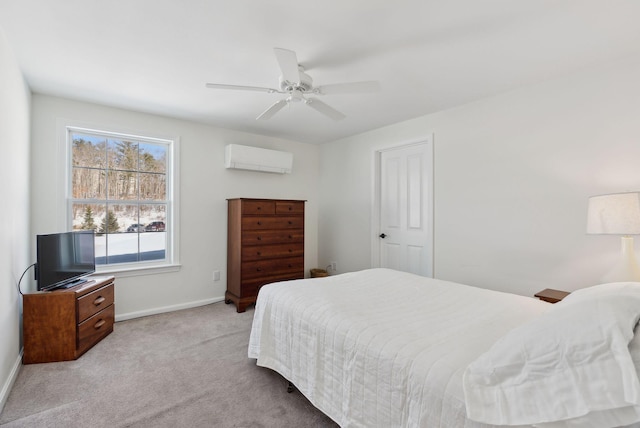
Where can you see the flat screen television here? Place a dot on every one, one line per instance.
(64, 259)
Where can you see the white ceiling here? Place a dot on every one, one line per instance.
(428, 55)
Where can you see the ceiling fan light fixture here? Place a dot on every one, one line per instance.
(296, 96)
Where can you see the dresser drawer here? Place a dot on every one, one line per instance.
(264, 223)
(293, 207)
(267, 237)
(251, 287)
(256, 283)
(272, 251)
(258, 207)
(94, 302)
(260, 268)
(95, 328)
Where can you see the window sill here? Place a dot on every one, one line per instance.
(125, 271)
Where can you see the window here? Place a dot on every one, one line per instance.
(120, 187)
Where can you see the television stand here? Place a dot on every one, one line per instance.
(63, 324)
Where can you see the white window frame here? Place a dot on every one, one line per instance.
(171, 263)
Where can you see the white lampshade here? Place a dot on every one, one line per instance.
(614, 214)
(617, 214)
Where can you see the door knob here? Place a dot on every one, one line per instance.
(382, 235)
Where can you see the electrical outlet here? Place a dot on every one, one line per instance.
(333, 266)
(216, 275)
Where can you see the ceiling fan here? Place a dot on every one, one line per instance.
(297, 85)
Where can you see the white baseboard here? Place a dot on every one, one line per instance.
(155, 311)
(6, 388)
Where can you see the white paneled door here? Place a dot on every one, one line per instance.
(406, 208)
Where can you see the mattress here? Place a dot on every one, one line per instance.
(382, 348)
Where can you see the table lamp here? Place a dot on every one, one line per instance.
(617, 214)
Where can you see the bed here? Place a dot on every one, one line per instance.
(382, 348)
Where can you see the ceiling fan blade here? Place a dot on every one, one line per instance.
(288, 62)
(349, 88)
(325, 109)
(268, 113)
(241, 88)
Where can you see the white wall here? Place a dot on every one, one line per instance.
(14, 215)
(512, 178)
(204, 187)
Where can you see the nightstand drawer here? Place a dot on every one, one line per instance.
(95, 328)
(94, 302)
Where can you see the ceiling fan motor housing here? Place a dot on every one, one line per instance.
(305, 85)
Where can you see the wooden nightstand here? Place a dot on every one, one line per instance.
(550, 295)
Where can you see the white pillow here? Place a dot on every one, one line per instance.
(571, 364)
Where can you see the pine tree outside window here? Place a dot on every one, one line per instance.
(120, 187)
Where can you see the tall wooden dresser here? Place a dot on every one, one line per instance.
(265, 243)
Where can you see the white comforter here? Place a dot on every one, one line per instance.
(381, 348)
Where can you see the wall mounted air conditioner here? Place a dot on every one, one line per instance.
(256, 159)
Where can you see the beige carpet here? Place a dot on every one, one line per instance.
(182, 369)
